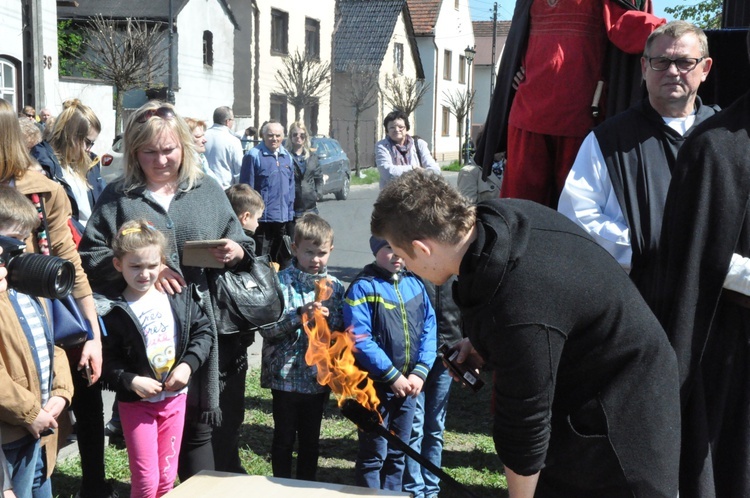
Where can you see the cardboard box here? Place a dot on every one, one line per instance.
(209, 483)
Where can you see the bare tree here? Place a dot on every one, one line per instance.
(361, 93)
(303, 80)
(127, 54)
(459, 103)
(404, 94)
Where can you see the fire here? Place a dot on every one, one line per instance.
(332, 353)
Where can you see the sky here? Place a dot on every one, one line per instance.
(481, 10)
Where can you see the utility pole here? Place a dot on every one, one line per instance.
(170, 81)
(494, 40)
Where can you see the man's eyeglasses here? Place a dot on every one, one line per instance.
(162, 112)
(89, 143)
(299, 135)
(683, 65)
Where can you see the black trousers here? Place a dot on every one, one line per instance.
(269, 239)
(296, 414)
(88, 408)
(232, 374)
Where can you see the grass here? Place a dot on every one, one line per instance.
(468, 454)
(367, 176)
(454, 166)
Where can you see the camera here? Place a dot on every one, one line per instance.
(35, 274)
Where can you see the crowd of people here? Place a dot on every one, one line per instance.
(614, 324)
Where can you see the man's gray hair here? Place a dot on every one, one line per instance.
(676, 30)
(222, 114)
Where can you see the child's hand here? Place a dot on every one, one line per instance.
(178, 378)
(55, 406)
(402, 387)
(309, 309)
(42, 422)
(416, 384)
(145, 387)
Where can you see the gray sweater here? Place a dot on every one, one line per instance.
(201, 213)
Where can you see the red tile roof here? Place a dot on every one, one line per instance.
(483, 29)
(424, 15)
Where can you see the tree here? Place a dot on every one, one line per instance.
(459, 103)
(361, 93)
(404, 94)
(303, 80)
(706, 14)
(127, 54)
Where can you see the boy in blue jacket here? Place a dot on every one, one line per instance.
(394, 325)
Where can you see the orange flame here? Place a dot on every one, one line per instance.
(332, 353)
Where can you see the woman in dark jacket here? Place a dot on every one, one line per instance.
(308, 177)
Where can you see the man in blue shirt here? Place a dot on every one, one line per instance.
(267, 168)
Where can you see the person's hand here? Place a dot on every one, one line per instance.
(3, 274)
(170, 281)
(145, 387)
(91, 355)
(466, 355)
(416, 385)
(8, 493)
(308, 309)
(519, 77)
(402, 387)
(42, 422)
(178, 378)
(55, 406)
(230, 253)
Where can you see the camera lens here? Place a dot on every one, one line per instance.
(41, 276)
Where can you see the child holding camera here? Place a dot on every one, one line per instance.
(155, 342)
(35, 381)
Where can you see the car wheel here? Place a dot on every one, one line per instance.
(343, 194)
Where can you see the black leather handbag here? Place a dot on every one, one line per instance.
(249, 298)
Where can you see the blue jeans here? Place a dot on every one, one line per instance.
(380, 465)
(27, 468)
(427, 432)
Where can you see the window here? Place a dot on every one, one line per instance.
(208, 48)
(312, 38)
(311, 118)
(398, 57)
(278, 108)
(446, 121)
(456, 4)
(461, 69)
(8, 81)
(279, 32)
(447, 65)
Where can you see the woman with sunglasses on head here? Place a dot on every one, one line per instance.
(54, 237)
(68, 160)
(308, 177)
(163, 182)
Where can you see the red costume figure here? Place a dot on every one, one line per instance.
(564, 48)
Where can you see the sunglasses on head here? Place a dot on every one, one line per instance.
(162, 112)
(300, 135)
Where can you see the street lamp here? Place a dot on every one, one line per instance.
(469, 53)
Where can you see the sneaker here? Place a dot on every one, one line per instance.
(113, 429)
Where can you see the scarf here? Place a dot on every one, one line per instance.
(401, 153)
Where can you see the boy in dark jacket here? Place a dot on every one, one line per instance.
(394, 325)
(585, 394)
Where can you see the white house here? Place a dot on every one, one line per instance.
(374, 38)
(269, 32)
(443, 29)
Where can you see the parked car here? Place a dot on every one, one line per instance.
(334, 164)
(111, 162)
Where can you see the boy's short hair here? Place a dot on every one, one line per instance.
(418, 206)
(314, 228)
(17, 210)
(244, 199)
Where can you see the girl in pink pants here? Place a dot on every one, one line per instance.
(154, 343)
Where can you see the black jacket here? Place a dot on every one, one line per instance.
(585, 379)
(307, 185)
(447, 314)
(124, 348)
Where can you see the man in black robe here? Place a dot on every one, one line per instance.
(618, 184)
(703, 301)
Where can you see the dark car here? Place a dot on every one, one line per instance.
(334, 164)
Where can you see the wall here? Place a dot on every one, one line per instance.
(95, 94)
